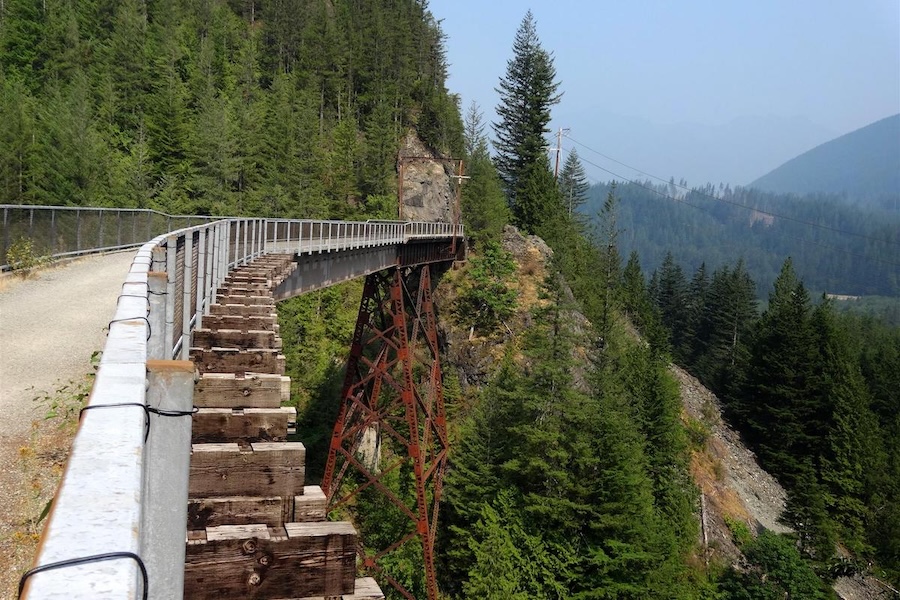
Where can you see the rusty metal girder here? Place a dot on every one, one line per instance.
(393, 390)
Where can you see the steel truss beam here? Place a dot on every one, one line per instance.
(393, 391)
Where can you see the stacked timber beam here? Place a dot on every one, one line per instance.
(255, 530)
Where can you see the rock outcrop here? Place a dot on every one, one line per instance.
(427, 193)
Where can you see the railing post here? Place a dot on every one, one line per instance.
(5, 232)
(243, 258)
(261, 243)
(210, 239)
(167, 456)
(216, 263)
(100, 230)
(187, 281)
(201, 278)
(159, 300)
(171, 255)
(52, 229)
(237, 241)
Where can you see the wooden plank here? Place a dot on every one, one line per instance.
(264, 469)
(227, 390)
(237, 532)
(212, 425)
(247, 300)
(366, 588)
(289, 562)
(235, 338)
(243, 310)
(233, 360)
(252, 274)
(241, 323)
(245, 289)
(285, 388)
(245, 275)
(312, 506)
(234, 510)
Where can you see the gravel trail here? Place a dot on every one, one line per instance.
(50, 324)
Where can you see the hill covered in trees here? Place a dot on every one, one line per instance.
(836, 248)
(863, 166)
(217, 107)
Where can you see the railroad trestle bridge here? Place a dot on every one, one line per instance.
(182, 481)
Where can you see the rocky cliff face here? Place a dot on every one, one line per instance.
(427, 190)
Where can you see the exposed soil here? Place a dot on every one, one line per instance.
(733, 485)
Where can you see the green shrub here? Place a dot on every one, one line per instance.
(22, 257)
(488, 300)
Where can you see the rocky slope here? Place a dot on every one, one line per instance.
(733, 485)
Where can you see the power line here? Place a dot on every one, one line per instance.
(732, 202)
(674, 199)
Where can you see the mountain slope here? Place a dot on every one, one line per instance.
(864, 164)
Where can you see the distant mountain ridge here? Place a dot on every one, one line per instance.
(863, 164)
(732, 152)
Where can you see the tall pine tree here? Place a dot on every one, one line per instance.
(527, 93)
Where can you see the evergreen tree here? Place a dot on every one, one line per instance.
(695, 306)
(498, 566)
(20, 41)
(852, 452)
(573, 184)
(611, 261)
(17, 113)
(670, 297)
(724, 330)
(484, 208)
(127, 64)
(783, 410)
(527, 92)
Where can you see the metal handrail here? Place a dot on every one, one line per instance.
(67, 231)
(121, 491)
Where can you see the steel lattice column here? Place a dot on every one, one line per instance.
(393, 389)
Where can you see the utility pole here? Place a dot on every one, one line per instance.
(559, 135)
(457, 210)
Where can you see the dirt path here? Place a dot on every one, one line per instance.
(50, 324)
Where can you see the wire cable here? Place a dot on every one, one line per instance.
(802, 241)
(731, 202)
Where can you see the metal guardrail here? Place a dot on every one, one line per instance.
(117, 527)
(61, 231)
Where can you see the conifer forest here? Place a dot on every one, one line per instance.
(570, 467)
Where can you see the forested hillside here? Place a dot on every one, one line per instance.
(836, 248)
(812, 391)
(214, 106)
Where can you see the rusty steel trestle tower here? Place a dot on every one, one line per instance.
(393, 396)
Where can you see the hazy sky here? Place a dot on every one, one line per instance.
(833, 62)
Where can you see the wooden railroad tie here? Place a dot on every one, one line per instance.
(254, 529)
